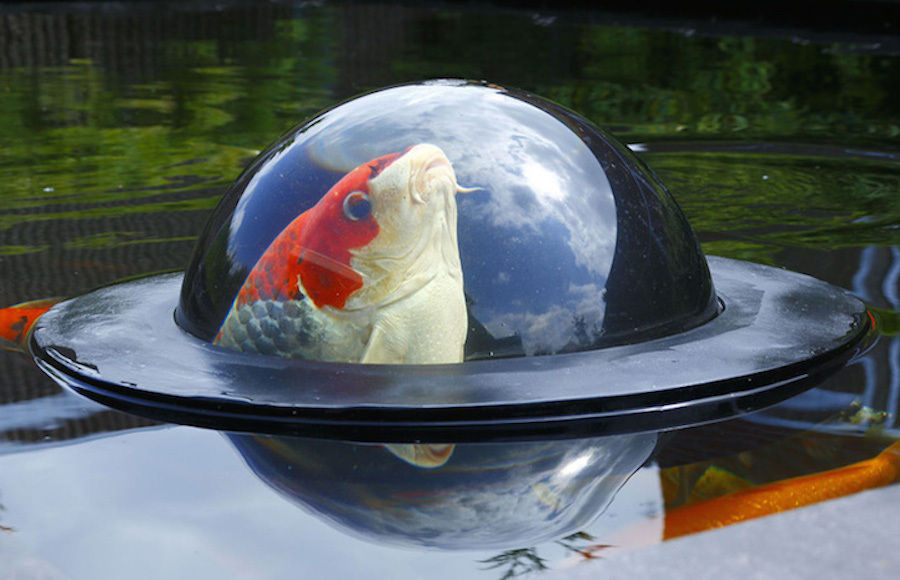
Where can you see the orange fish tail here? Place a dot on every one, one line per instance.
(17, 321)
(784, 495)
(891, 455)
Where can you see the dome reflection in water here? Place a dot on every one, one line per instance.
(494, 496)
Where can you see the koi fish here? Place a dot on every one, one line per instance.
(17, 321)
(755, 502)
(370, 274)
(764, 500)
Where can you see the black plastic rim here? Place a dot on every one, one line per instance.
(779, 334)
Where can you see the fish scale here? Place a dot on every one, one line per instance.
(291, 328)
(278, 310)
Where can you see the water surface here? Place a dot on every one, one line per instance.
(123, 125)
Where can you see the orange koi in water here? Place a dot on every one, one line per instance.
(755, 502)
(17, 321)
(750, 503)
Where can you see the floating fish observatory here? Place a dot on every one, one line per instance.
(450, 261)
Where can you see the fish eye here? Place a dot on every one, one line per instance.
(357, 205)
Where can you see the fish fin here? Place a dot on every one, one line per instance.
(385, 345)
(425, 455)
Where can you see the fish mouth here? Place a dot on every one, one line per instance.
(431, 163)
(439, 161)
(436, 162)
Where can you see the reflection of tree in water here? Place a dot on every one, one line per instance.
(517, 562)
(521, 561)
(571, 543)
(2, 527)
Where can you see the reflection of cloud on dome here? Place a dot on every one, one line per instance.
(240, 210)
(540, 175)
(235, 233)
(568, 325)
(522, 155)
(544, 332)
(543, 180)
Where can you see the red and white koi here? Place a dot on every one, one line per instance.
(370, 274)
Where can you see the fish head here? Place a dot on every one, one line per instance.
(414, 195)
(350, 271)
(413, 201)
(310, 258)
(380, 224)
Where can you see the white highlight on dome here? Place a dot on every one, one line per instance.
(544, 181)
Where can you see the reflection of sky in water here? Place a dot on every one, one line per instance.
(537, 239)
(179, 503)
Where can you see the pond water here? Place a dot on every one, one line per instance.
(123, 126)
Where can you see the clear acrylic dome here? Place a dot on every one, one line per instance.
(440, 222)
(428, 225)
